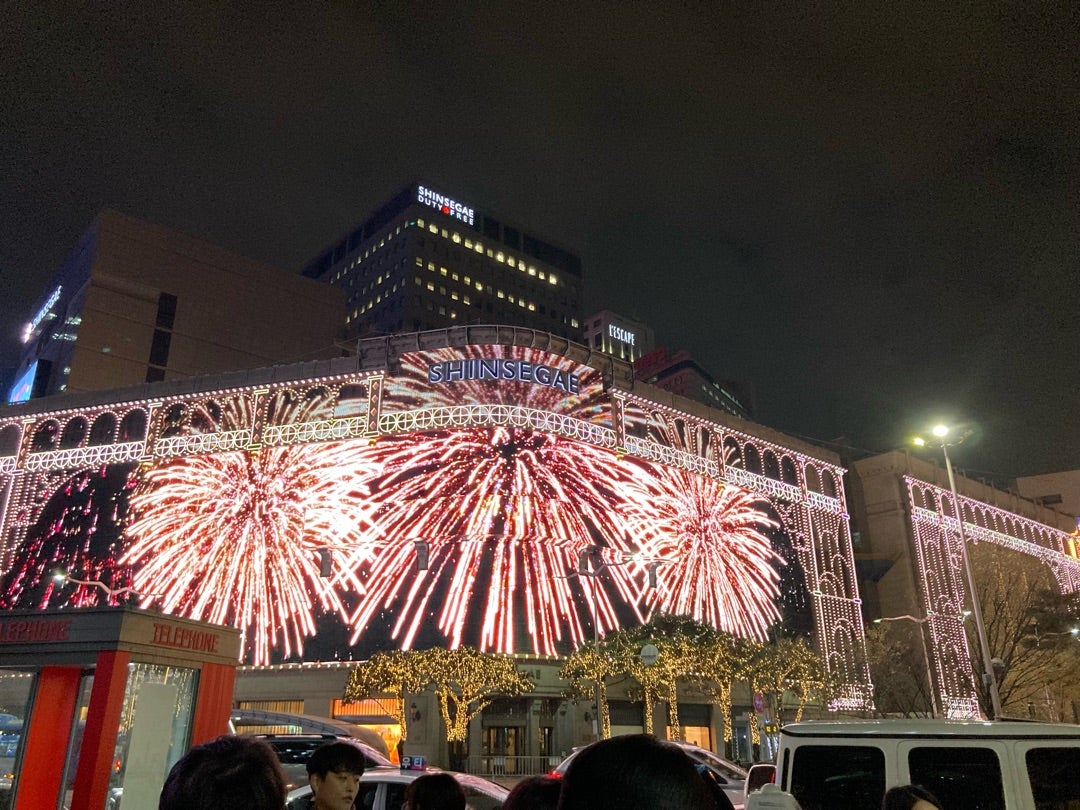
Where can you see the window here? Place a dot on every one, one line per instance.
(959, 777)
(159, 348)
(166, 311)
(1054, 774)
(849, 777)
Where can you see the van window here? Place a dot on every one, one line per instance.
(834, 777)
(1055, 777)
(959, 777)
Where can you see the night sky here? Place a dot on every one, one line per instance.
(868, 211)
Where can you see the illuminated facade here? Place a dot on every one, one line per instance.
(908, 542)
(135, 302)
(507, 451)
(426, 260)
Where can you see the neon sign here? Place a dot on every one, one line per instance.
(501, 368)
(620, 334)
(46, 308)
(447, 205)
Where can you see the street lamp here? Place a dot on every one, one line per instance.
(589, 565)
(941, 433)
(926, 654)
(112, 594)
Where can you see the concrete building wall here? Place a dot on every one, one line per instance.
(230, 312)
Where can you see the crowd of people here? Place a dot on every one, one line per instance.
(629, 772)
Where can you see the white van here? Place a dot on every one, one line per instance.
(967, 765)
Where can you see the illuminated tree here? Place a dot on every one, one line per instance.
(719, 660)
(788, 666)
(466, 681)
(395, 673)
(674, 638)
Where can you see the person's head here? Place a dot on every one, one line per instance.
(633, 772)
(909, 797)
(534, 793)
(334, 772)
(434, 791)
(228, 773)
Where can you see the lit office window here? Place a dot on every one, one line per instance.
(540, 275)
(442, 271)
(456, 238)
(500, 256)
(419, 262)
(468, 243)
(480, 286)
(532, 271)
(465, 300)
(574, 322)
(552, 279)
(454, 296)
(532, 307)
(433, 228)
(512, 261)
(431, 286)
(468, 281)
(501, 294)
(479, 248)
(431, 266)
(420, 222)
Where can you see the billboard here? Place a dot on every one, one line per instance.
(547, 504)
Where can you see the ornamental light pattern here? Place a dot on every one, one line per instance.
(507, 461)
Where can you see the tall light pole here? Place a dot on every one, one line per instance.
(589, 565)
(989, 677)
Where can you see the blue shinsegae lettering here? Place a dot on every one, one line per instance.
(495, 369)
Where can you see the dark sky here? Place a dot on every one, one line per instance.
(868, 210)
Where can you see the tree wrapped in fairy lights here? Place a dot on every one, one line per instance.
(719, 659)
(466, 681)
(396, 673)
(787, 666)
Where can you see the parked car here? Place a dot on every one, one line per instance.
(384, 789)
(294, 750)
(999, 765)
(729, 775)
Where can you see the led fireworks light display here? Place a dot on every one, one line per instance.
(292, 510)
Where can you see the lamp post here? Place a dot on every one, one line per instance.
(989, 677)
(112, 594)
(589, 566)
(934, 712)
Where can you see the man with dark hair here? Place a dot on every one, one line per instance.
(634, 772)
(228, 773)
(334, 772)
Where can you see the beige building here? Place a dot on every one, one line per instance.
(136, 302)
(1060, 490)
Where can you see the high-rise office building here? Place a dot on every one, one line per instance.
(135, 302)
(426, 260)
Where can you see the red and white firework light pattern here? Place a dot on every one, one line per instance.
(235, 537)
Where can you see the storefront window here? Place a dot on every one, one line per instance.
(16, 687)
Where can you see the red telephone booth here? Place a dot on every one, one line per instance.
(109, 699)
